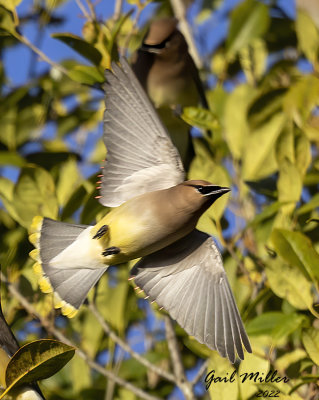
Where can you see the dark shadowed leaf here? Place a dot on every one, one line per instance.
(35, 361)
(80, 46)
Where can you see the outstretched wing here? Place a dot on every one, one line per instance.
(188, 280)
(140, 155)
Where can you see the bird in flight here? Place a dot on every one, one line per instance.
(153, 217)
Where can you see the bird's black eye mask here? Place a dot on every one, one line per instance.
(210, 189)
(158, 46)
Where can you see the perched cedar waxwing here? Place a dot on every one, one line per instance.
(154, 217)
(169, 76)
(9, 346)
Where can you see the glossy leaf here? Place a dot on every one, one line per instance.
(80, 46)
(35, 361)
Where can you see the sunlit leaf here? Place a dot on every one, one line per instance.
(308, 35)
(290, 284)
(310, 339)
(248, 21)
(34, 194)
(69, 180)
(296, 249)
(86, 74)
(259, 145)
(235, 118)
(289, 185)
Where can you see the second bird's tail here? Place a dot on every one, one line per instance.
(66, 260)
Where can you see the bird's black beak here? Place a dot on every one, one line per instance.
(214, 191)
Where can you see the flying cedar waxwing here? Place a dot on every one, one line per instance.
(9, 346)
(169, 76)
(154, 216)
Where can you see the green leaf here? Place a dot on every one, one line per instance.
(115, 297)
(290, 284)
(268, 212)
(86, 74)
(296, 249)
(80, 46)
(301, 99)
(35, 361)
(310, 339)
(200, 117)
(308, 35)
(248, 21)
(259, 146)
(69, 180)
(34, 194)
(283, 362)
(235, 118)
(253, 60)
(302, 153)
(6, 196)
(6, 20)
(264, 324)
(11, 158)
(10, 4)
(289, 185)
(309, 206)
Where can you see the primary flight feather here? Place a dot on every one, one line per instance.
(153, 217)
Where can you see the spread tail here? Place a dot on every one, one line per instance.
(66, 261)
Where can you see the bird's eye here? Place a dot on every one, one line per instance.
(203, 189)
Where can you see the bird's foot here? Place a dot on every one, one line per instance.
(111, 250)
(101, 232)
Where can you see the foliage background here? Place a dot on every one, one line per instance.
(260, 61)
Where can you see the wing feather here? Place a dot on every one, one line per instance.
(187, 278)
(140, 155)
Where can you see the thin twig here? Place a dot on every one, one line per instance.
(180, 13)
(178, 367)
(59, 335)
(117, 9)
(83, 9)
(92, 10)
(44, 57)
(168, 376)
(200, 372)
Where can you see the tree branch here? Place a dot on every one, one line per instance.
(59, 335)
(178, 367)
(200, 372)
(127, 348)
(43, 56)
(180, 13)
